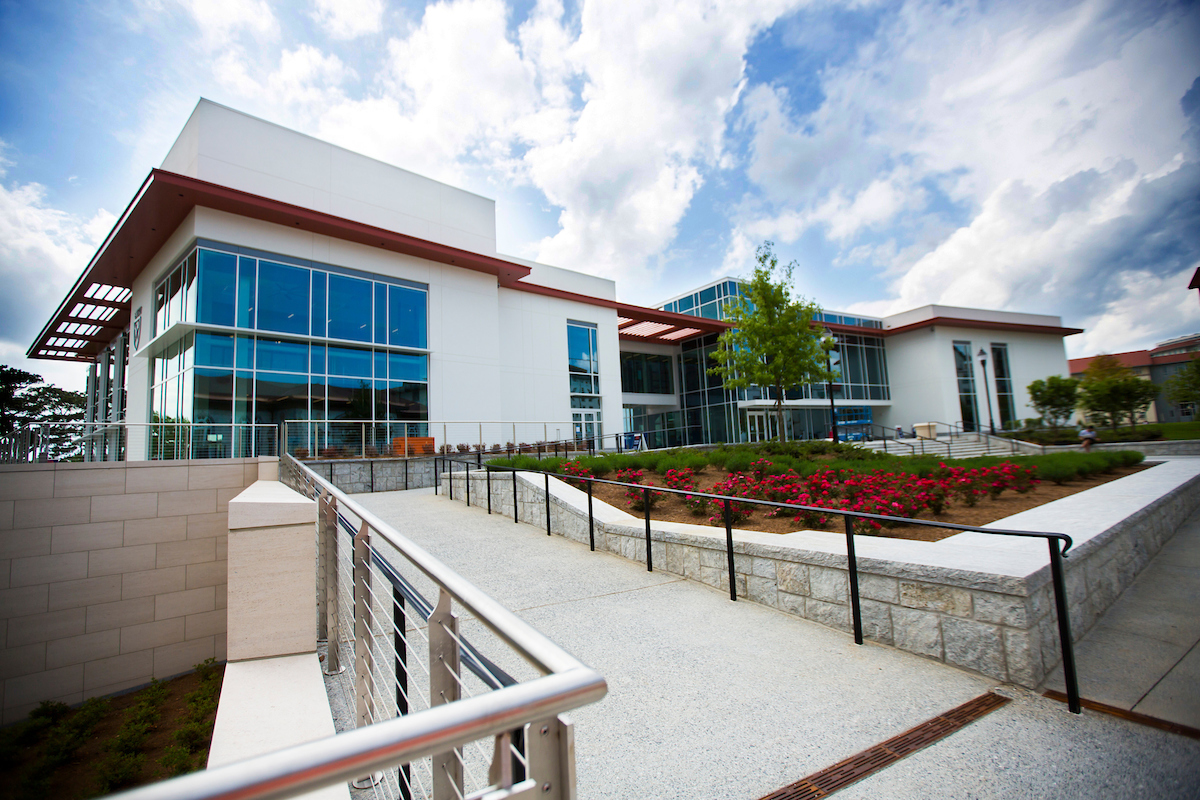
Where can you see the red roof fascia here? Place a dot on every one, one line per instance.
(955, 322)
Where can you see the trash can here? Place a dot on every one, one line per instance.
(925, 430)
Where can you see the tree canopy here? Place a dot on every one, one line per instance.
(1110, 392)
(1184, 386)
(26, 398)
(774, 342)
(1054, 398)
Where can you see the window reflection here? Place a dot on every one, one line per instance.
(283, 299)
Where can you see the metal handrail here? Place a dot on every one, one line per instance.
(1053, 541)
(544, 654)
(337, 759)
(959, 429)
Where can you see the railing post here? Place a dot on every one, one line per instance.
(591, 519)
(550, 746)
(400, 643)
(444, 671)
(1070, 678)
(406, 468)
(467, 480)
(547, 474)
(729, 548)
(649, 549)
(435, 474)
(364, 695)
(516, 508)
(852, 568)
(333, 636)
(322, 563)
(488, 475)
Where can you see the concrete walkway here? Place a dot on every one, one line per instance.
(1144, 653)
(714, 699)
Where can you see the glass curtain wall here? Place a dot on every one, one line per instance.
(218, 379)
(964, 367)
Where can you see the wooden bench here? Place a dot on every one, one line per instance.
(417, 446)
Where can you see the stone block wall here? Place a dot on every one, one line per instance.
(111, 574)
(1002, 626)
(375, 474)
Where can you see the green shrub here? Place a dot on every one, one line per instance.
(118, 769)
(1058, 471)
(193, 736)
(176, 760)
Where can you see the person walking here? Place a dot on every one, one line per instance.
(1087, 438)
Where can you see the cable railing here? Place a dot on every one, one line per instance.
(382, 601)
(1058, 543)
(137, 441)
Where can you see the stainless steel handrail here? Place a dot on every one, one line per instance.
(532, 645)
(336, 759)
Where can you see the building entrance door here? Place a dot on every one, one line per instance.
(762, 425)
(586, 424)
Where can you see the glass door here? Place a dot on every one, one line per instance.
(762, 426)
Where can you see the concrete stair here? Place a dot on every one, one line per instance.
(958, 447)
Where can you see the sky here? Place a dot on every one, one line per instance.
(1041, 157)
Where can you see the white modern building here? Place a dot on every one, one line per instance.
(261, 275)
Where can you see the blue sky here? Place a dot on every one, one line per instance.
(1040, 157)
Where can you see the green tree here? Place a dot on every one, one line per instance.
(1054, 398)
(774, 342)
(1110, 392)
(1184, 386)
(25, 398)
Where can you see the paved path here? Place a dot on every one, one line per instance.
(713, 699)
(1144, 653)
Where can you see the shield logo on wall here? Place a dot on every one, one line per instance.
(137, 328)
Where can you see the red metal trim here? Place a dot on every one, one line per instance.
(955, 322)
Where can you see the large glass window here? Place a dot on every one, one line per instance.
(964, 368)
(646, 373)
(1004, 386)
(583, 367)
(349, 308)
(406, 317)
(218, 276)
(244, 378)
(283, 298)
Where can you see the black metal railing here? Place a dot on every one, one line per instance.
(725, 502)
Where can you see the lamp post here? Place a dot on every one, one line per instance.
(986, 391)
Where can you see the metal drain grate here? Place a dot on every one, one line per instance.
(857, 767)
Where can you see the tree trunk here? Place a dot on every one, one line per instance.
(779, 412)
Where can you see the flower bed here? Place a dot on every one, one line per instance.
(953, 494)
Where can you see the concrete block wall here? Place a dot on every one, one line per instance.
(110, 574)
(1001, 625)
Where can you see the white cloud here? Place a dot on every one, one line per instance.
(1054, 132)
(220, 20)
(349, 19)
(42, 251)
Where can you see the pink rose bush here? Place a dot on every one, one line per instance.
(879, 492)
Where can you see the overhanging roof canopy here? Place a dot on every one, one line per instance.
(99, 302)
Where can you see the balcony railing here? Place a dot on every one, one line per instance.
(136, 441)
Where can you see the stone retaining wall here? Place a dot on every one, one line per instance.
(1001, 625)
(388, 474)
(1168, 447)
